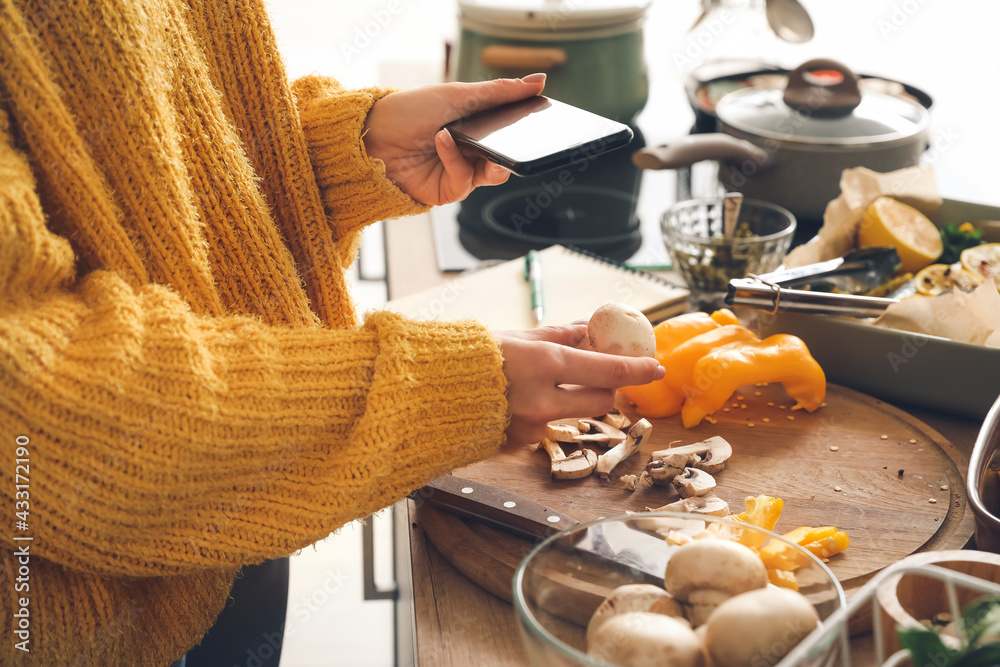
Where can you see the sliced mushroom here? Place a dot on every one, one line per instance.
(562, 430)
(607, 461)
(693, 482)
(708, 504)
(599, 433)
(578, 464)
(616, 419)
(710, 455)
(714, 460)
(553, 449)
(663, 471)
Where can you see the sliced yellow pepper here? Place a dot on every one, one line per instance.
(782, 555)
(782, 578)
(681, 362)
(779, 358)
(829, 546)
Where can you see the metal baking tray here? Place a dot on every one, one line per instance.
(900, 366)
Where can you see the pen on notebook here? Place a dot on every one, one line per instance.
(533, 274)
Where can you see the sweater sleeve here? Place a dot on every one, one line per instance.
(164, 442)
(355, 189)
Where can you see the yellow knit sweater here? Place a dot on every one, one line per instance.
(179, 353)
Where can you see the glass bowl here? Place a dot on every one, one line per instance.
(694, 236)
(561, 581)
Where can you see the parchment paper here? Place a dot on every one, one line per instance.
(972, 317)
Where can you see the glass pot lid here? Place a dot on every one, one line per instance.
(822, 104)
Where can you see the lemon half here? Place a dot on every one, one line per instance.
(938, 278)
(888, 222)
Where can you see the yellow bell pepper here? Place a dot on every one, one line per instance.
(822, 542)
(761, 511)
(779, 358)
(724, 316)
(681, 362)
(782, 578)
(829, 546)
(658, 399)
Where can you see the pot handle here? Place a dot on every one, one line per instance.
(522, 58)
(687, 150)
(812, 96)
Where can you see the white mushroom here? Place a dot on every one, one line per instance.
(644, 639)
(758, 627)
(663, 470)
(710, 455)
(693, 482)
(607, 461)
(616, 328)
(616, 419)
(707, 504)
(562, 430)
(598, 432)
(703, 573)
(578, 464)
(633, 597)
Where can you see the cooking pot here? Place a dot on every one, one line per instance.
(592, 52)
(789, 146)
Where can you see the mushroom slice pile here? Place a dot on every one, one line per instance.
(601, 431)
(689, 468)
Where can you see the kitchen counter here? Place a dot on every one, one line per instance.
(453, 621)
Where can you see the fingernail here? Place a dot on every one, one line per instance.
(660, 372)
(446, 138)
(534, 78)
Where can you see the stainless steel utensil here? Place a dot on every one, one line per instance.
(862, 269)
(789, 20)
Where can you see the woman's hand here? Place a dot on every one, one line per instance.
(403, 130)
(551, 376)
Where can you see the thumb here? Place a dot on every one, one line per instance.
(468, 98)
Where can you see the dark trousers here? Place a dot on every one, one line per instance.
(250, 629)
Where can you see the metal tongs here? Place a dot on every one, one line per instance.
(859, 270)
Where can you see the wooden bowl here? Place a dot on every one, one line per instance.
(907, 598)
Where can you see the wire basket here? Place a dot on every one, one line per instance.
(835, 628)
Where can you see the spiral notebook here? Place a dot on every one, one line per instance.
(574, 283)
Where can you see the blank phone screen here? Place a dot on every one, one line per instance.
(539, 133)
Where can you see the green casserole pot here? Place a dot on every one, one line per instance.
(591, 51)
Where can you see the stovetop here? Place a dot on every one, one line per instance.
(658, 190)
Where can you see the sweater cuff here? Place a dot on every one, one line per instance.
(355, 188)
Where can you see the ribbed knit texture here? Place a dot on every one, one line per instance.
(177, 338)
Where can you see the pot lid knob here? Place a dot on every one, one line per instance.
(822, 88)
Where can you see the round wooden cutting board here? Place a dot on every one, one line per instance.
(892, 482)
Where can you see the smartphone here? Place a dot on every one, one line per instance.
(537, 135)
